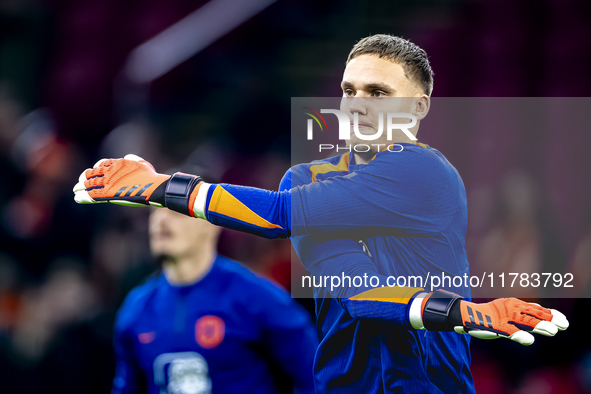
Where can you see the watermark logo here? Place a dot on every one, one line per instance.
(315, 117)
(391, 120)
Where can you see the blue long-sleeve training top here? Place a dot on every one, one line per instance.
(227, 333)
(409, 209)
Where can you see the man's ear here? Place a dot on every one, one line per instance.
(422, 107)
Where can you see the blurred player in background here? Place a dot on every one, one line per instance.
(206, 324)
(407, 208)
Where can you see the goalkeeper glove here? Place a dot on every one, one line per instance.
(502, 318)
(132, 181)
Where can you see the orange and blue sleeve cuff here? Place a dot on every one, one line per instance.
(261, 212)
(389, 304)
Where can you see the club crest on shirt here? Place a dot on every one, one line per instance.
(182, 373)
(209, 331)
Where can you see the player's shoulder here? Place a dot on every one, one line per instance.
(231, 268)
(135, 302)
(421, 158)
(261, 298)
(305, 173)
(267, 295)
(402, 149)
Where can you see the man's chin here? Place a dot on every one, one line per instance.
(366, 130)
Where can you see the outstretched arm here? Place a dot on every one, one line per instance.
(133, 181)
(390, 199)
(413, 307)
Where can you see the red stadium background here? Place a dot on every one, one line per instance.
(71, 93)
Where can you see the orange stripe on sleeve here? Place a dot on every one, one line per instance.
(224, 203)
(400, 295)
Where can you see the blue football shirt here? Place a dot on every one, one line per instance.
(409, 209)
(224, 334)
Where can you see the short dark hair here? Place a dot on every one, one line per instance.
(413, 59)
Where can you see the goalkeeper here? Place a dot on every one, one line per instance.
(408, 209)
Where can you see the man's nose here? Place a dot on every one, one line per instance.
(358, 104)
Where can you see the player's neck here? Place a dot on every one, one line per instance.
(364, 158)
(190, 269)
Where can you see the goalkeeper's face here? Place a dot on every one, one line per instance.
(175, 236)
(372, 86)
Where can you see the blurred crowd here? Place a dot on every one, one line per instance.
(65, 268)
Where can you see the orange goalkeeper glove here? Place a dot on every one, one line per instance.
(132, 181)
(502, 318)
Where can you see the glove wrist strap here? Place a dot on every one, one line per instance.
(442, 311)
(178, 191)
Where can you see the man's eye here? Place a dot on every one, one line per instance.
(378, 93)
(349, 92)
